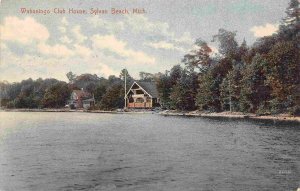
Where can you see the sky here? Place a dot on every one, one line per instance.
(48, 41)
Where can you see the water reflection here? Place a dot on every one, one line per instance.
(84, 151)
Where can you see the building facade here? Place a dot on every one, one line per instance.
(142, 95)
(81, 99)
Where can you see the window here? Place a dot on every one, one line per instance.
(140, 100)
(139, 92)
(131, 100)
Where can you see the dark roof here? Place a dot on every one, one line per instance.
(90, 99)
(149, 87)
(81, 93)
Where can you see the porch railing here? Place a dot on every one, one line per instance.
(139, 105)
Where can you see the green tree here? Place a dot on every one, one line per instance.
(183, 93)
(129, 79)
(168, 82)
(56, 96)
(123, 73)
(230, 90)
(199, 58)
(164, 86)
(71, 77)
(293, 13)
(283, 74)
(228, 46)
(208, 97)
(146, 77)
(113, 98)
(86, 81)
(100, 90)
(254, 91)
(175, 74)
(290, 25)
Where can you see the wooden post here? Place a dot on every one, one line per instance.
(230, 101)
(125, 89)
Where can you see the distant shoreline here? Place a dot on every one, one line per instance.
(232, 115)
(72, 110)
(235, 115)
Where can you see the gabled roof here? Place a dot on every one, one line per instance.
(81, 93)
(149, 87)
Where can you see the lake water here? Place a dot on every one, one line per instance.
(89, 151)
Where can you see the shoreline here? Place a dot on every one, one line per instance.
(234, 115)
(76, 110)
(228, 115)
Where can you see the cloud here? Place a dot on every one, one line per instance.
(185, 39)
(76, 31)
(82, 50)
(163, 45)
(109, 42)
(19, 67)
(62, 29)
(108, 26)
(267, 30)
(71, 49)
(64, 21)
(23, 31)
(107, 71)
(158, 34)
(152, 29)
(64, 25)
(2, 46)
(119, 47)
(56, 50)
(62, 51)
(182, 43)
(65, 39)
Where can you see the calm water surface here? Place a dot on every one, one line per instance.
(85, 151)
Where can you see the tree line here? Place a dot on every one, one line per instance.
(263, 78)
(52, 93)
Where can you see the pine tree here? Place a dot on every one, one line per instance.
(290, 26)
(254, 91)
(208, 97)
(230, 90)
(293, 13)
(113, 98)
(283, 74)
(164, 89)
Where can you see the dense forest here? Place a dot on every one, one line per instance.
(52, 93)
(263, 78)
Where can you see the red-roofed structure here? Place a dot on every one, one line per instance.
(81, 99)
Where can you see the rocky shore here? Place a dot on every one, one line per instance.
(234, 115)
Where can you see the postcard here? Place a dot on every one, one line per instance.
(149, 95)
